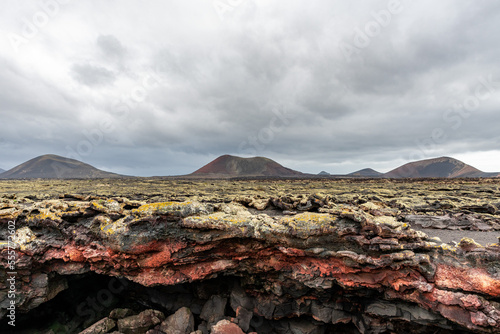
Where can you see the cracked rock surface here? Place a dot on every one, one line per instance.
(284, 263)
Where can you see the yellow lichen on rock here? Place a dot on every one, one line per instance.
(469, 243)
(23, 237)
(218, 220)
(108, 205)
(309, 223)
(388, 220)
(447, 247)
(97, 206)
(109, 227)
(371, 206)
(44, 215)
(160, 208)
(308, 218)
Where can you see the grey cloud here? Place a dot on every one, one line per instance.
(92, 75)
(111, 46)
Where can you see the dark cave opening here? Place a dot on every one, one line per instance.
(87, 298)
(91, 297)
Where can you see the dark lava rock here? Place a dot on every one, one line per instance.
(120, 313)
(226, 327)
(139, 324)
(213, 310)
(100, 327)
(181, 322)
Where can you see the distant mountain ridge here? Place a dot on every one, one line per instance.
(2, 170)
(227, 166)
(366, 172)
(233, 166)
(443, 167)
(52, 166)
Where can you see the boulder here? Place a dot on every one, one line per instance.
(226, 327)
(140, 323)
(120, 313)
(181, 322)
(214, 309)
(100, 327)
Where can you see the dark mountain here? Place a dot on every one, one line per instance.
(2, 170)
(323, 173)
(438, 167)
(366, 172)
(232, 166)
(55, 167)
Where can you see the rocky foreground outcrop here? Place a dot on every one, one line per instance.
(251, 265)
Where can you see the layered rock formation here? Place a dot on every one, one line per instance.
(255, 264)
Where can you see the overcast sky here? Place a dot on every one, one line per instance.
(164, 87)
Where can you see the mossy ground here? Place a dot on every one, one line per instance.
(439, 196)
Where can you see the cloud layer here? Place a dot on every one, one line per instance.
(163, 88)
